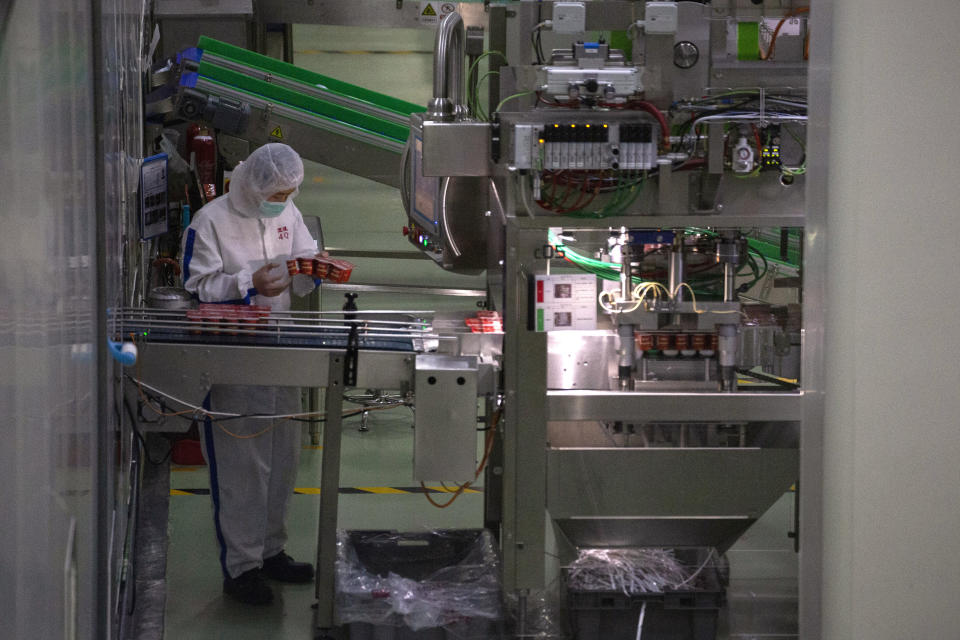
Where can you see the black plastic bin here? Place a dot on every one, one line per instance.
(412, 555)
(690, 614)
(436, 585)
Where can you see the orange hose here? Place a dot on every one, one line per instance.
(773, 38)
(488, 447)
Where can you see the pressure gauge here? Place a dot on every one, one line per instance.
(685, 54)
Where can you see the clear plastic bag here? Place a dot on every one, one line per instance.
(418, 580)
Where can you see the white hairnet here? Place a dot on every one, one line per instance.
(272, 168)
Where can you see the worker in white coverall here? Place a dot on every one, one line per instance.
(234, 251)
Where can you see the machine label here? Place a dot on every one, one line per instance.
(153, 196)
(565, 302)
(277, 132)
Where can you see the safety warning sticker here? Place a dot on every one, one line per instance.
(277, 133)
(428, 13)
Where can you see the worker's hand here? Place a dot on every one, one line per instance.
(322, 254)
(269, 280)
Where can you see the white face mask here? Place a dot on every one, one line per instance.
(271, 209)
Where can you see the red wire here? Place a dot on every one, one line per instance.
(578, 204)
(547, 203)
(568, 105)
(773, 38)
(691, 164)
(652, 110)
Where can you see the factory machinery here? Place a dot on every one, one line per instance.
(625, 207)
(637, 202)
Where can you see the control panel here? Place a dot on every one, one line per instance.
(586, 145)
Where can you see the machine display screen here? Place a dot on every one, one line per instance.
(425, 191)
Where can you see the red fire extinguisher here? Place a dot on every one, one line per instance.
(204, 151)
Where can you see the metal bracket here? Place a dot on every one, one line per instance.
(547, 252)
(353, 352)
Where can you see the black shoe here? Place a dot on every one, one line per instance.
(285, 569)
(249, 588)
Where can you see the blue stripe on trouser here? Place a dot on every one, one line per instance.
(214, 485)
(188, 253)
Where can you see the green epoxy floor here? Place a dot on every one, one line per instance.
(358, 214)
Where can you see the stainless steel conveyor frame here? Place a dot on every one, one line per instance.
(187, 371)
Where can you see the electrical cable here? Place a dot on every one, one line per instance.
(488, 448)
(508, 98)
(478, 110)
(776, 32)
(140, 438)
(656, 113)
(219, 418)
(473, 98)
(612, 309)
(693, 296)
(763, 377)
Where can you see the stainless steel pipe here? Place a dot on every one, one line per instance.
(448, 70)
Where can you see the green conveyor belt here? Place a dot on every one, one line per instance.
(304, 102)
(349, 116)
(298, 74)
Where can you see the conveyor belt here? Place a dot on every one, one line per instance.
(283, 74)
(291, 337)
(379, 331)
(261, 99)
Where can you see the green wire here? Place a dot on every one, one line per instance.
(623, 196)
(481, 114)
(516, 95)
(474, 100)
(752, 174)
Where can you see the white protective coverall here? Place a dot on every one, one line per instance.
(252, 478)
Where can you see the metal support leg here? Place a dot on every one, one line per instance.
(329, 497)
(522, 612)
(314, 405)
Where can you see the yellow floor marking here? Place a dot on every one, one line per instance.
(442, 490)
(315, 491)
(382, 490)
(177, 492)
(313, 446)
